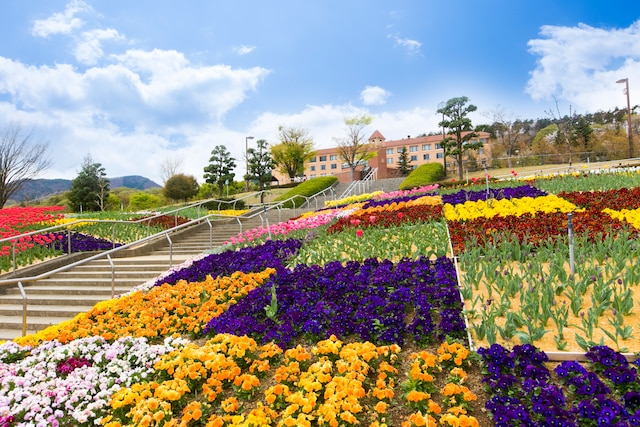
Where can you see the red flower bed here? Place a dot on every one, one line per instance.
(388, 218)
(165, 221)
(535, 229)
(623, 198)
(17, 220)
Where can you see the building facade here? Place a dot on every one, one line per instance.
(420, 150)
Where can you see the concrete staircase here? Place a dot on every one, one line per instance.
(64, 295)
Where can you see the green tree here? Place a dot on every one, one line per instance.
(144, 201)
(460, 133)
(90, 189)
(181, 187)
(295, 148)
(261, 166)
(220, 168)
(404, 166)
(354, 149)
(20, 160)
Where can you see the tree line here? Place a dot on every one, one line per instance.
(556, 138)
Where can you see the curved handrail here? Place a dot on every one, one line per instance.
(257, 211)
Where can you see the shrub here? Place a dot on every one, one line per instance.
(306, 189)
(426, 174)
(224, 203)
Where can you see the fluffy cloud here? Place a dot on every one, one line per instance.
(581, 64)
(63, 22)
(374, 95)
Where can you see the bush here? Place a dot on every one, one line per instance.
(306, 189)
(426, 174)
(224, 203)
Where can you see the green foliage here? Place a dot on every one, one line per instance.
(426, 174)
(224, 203)
(460, 132)
(181, 187)
(404, 166)
(220, 168)
(261, 165)
(306, 189)
(144, 201)
(90, 189)
(295, 148)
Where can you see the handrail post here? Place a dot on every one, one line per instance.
(113, 276)
(170, 250)
(210, 234)
(69, 241)
(113, 236)
(24, 309)
(13, 255)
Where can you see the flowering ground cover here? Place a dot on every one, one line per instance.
(357, 319)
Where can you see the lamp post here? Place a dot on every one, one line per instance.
(246, 157)
(626, 90)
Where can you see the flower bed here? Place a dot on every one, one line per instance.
(356, 324)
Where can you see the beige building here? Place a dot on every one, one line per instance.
(420, 150)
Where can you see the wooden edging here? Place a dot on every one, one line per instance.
(561, 356)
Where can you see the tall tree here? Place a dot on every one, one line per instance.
(21, 159)
(295, 148)
(261, 166)
(508, 133)
(181, 187)
(354, 149)
(404, 163)
(169, 167)
(460, 131)
(220, 168)
(90, 189)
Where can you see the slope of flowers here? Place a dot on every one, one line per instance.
(350, 340)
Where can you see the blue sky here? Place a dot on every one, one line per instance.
(135, 83)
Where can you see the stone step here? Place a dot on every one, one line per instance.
(11, 314)
(50, 300)
(60, 289)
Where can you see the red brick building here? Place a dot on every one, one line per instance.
(420, 150)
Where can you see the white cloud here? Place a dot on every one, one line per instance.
(581, 65)
(374, 95)
(411, 46)
(61, 22)
(88, 49)
(244, 50)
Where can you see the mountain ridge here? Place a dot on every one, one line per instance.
(38, 188)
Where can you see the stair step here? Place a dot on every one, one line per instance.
(12, 313)
(62, 300)
(33, 290)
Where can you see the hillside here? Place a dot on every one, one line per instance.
(38, 188)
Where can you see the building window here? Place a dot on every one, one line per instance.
(323, 167)
(334, 166)
(389, 151)
(333, 157)
(389, 160)
(414, 158)
(413, 149)
(401, 149)
(480, 150)
(426, 147)
(323, 158)
(425, 157)
(313, 175)
(439, 155)
(438, 146)
(313, 168)
(313, 159)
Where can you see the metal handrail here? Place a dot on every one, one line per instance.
(361, 185)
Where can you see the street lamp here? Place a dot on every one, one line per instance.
(246, 157)
(626, 90)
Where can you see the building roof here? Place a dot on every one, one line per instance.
(376, 135)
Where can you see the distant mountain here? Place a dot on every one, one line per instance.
(38, 188)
